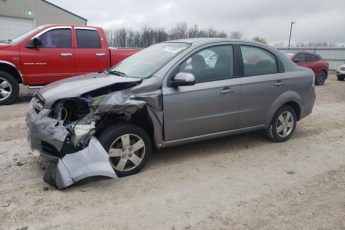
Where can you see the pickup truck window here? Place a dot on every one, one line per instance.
(57, 38)
(88, 39)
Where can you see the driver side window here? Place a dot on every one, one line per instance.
(57, 38)
(211, 64)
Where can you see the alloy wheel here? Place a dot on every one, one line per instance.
(321, 78)
(5, 89)
(285, 124)
(126, 152)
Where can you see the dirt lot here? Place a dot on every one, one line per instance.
(238, 182)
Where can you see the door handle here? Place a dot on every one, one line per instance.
(100, 54)
(279, 83)
(66, 54)
(227, 90)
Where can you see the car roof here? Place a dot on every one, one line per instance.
(304, 51)
(207, 40)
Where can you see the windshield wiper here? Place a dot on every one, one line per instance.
(117, 73)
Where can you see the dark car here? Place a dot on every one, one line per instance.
(312, 61)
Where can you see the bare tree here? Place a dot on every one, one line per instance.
(179, 31)
(236, 35)
(148, 36)
(193, 32)
(259, 39)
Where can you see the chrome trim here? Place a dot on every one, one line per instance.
(66, 54)
(100, 54)
(84, 28)
(51, 28)
(35, 87)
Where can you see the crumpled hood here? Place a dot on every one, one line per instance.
(76, 86)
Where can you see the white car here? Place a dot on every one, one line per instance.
(341, 73)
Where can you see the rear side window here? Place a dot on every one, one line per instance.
(57, 38)
(301, 57)
(88, 39)
(312, 57)
(257, 61)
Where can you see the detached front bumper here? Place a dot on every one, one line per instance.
(47, 138)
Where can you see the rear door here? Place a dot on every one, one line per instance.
(263, 82)
(313, 62)
(209, 106)
(302, 59)
(53, 60)
(91, 53)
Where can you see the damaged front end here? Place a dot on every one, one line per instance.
(65, 132)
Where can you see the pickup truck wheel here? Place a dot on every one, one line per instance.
(128, 147)
(320, 78)
(340, 78)
(282, 125)
(9, 89)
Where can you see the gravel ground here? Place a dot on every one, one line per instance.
(237, 182)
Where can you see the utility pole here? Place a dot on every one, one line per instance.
(290, 33)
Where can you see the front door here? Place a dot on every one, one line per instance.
(209, 106)
(52, 61)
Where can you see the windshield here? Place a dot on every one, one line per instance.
(25, 35)
(146, 62)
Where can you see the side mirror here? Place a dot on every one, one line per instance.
(296, 60)
(182, 79)
(34, 43)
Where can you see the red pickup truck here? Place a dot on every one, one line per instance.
(53, 52)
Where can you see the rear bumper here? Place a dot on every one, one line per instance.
(308, 103)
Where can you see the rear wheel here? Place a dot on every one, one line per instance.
(340, 78)
(128, 146)
(9, 89)
(321, 78)
(282, 125)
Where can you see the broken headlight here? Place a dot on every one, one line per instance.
(70, 110)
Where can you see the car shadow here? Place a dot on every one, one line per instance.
(233, 144)
(24, 98)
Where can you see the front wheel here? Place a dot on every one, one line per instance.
(340, 78)
(128, 146)
(321, 78)
(9, 89)
(282, 125)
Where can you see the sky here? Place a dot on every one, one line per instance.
(316, 20)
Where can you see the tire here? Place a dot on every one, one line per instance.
(124, 159)
(274, 131)
(340, 78)
(9, 89)
(321, 78)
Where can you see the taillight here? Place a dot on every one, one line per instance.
(313, 81)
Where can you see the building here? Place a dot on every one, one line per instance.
(20, 16)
